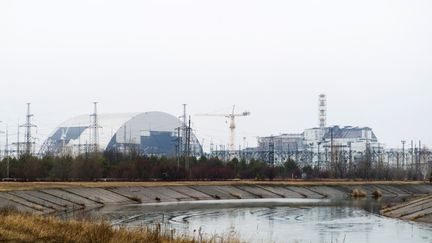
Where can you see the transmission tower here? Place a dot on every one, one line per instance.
(184, 148)
(188, 146)
(7, 153)
(28, 139)
(18, 143)
(94, 130)
(271, 151)
(403, 153)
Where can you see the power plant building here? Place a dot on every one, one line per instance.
(316, 144)
(148, 133)
(283, 142)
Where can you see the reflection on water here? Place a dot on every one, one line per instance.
(275, 223)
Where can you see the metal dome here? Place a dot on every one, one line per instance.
(153, 133)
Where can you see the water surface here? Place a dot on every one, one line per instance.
(279, 222)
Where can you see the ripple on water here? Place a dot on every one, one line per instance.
(286, 224)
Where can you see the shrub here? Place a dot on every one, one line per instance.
(358, 193)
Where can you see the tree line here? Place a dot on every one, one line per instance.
(116, 166)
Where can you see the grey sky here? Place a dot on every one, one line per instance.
(372, 58)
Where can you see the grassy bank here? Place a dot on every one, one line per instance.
(22, 227)
(14, 186)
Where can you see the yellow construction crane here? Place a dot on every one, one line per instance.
(232, 125)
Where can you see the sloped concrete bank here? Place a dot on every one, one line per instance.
(416, 209)
(70, 199)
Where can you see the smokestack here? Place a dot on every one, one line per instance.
(322, 111)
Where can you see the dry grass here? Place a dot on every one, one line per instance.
(377, 193)
(21, 227)
(14, 186)
(358, 193)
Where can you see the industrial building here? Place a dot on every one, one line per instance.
(283, 142)
(354, 138)
(148, 133)
(318, 146)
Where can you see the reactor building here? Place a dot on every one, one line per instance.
(147, 133)
(317, 146)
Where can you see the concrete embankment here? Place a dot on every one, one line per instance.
(417, 209)
(52, 200)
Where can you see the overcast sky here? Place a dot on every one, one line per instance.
(373, 59)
